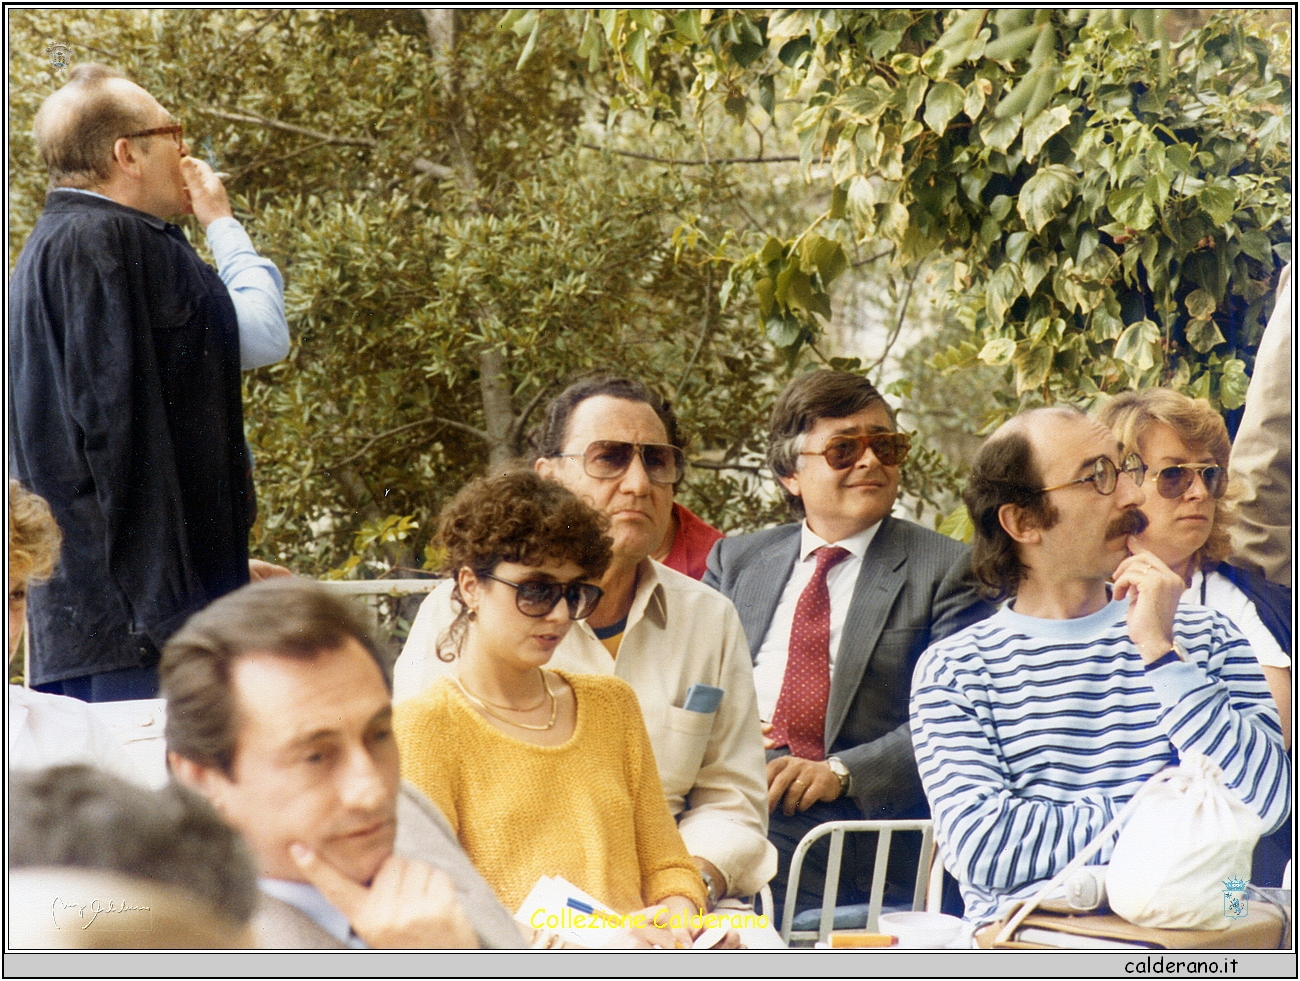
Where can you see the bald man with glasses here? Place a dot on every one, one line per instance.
(126, 415)
(678, 643)
(1035, 727)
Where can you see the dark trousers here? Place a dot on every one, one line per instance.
(109, 686)
(856, 863)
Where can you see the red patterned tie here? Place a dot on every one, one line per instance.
(800, 717)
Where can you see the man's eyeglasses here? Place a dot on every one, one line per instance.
(1174, 482)
(606, 459)
(176, 131)
(842, 452)
(537, 597)
(1105, 475)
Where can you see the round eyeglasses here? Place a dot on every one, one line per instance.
(1173, 482)
(1105, 475)
(606, 459)
(842, 452)
(537, 597)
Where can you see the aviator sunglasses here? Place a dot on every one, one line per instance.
(537, 597)
(1173, 482)
(842, 452)
(606, 459)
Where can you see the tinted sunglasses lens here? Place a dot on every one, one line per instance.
(605, 459)
(1172, 482)
(582, 598)
(890, 450)
(1216, 481)
(536, 598)
(843, 452)
(663, 463)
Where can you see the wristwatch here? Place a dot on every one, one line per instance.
(840, 770)
(711, 886)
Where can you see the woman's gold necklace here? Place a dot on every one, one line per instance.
(510, 722)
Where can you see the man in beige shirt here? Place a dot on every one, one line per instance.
(614, 443)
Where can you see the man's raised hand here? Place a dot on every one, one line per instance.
(408, 904)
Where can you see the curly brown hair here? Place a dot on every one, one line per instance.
(34, 537)
(516, 516)
(1130, 415)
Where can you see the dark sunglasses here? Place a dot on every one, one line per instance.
(176, 131)
(537, 597)
(1105, 475)
(606, 459)
(1173, 482)
(842, 452)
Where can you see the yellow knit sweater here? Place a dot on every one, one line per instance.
(591, 810)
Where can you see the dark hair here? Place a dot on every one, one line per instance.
(1130, 415)
(517, 516)
(1005, 471)
(77, 126)
(820, 394)
(288, 616)
(553, 433)
(81, 817)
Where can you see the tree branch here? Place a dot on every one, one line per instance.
(690, 163)
(270, 14)
(711, 465)
(870, 259)
(521, 420)
(704, 330)
(464, 427)
(898, 324)
(248, 116)
(433, 170)
(267, 161)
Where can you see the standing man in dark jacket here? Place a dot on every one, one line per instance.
(124, 387)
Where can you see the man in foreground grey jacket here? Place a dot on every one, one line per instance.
(279, 713)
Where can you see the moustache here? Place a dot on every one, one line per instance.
(1129, 523)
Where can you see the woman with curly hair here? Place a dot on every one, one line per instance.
(1185, 446)
(539, 772)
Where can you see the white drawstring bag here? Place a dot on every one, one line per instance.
(1187, 837)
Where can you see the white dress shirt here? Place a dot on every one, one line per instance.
(769, 665)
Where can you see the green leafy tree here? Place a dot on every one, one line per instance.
(1110, 207)
(451, 253)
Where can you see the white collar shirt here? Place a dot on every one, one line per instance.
(769, 664)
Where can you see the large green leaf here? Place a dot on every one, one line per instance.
(1042, 128)
(1004, 288)
(1233, 384)
(1136, 346)
(1203, 334)
(942, 103)
(1033, 367)
(1045, 195)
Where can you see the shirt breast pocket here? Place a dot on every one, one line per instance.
(685, 738)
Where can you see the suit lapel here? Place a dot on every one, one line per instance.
(760, 584)
(879, 582)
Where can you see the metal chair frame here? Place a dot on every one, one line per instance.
(929, 875)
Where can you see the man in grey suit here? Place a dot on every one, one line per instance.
(836, 610)
(279, 712)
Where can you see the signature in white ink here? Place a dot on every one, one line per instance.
(94, 908)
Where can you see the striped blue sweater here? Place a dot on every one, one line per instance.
(1031, 734)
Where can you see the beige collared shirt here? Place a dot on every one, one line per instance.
(679, 633)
